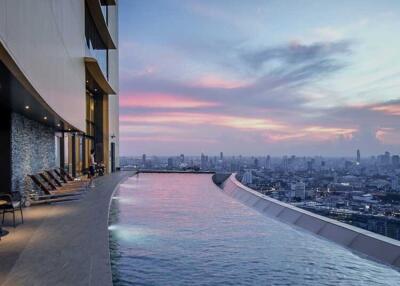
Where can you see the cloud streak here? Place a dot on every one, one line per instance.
(296, 53)
(162, 100)
(195, 74)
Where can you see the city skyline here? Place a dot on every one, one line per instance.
(357, 156)
(254, 78)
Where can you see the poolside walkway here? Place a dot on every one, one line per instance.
(62, 244)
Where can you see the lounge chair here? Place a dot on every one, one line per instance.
(53, 193)
(66, 174)
(69, 181)
(54, 184)
(62, 178)
(40, 184)
(48, 181)
(54, 178)
(14, 202)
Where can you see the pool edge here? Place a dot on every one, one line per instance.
(362, 242)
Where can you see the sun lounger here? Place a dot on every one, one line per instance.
(39, 183)
(54, 178)
(62, 178)
(48, 181)
(66, 174)
(62, 191)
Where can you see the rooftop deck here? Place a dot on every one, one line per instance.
(61, 244)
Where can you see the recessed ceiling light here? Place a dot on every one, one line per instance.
(27, 107)
(45, 118)
(58, 124)
(87, 81)
(95, 89)
(69, 129)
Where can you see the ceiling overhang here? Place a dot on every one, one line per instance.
(97, 74)
(18, 95)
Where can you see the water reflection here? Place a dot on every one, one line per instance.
(182, 230)
(133, 234)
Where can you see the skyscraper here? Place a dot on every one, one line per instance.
(396, 160)
(268, 163)
(58, 87)
(358, 156)
(247, 178)
(285, 163)
(170, 163)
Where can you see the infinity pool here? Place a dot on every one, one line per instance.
(180, 229)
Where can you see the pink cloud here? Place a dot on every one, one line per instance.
(215, 81)
(329, 131)
(237, 122)
(391, 109)
(388, 136)
(165, 138)
(162, 100)
(311, 133)
(283, 137)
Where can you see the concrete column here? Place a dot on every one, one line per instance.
(5, 152)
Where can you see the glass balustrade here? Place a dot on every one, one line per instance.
(101, 55)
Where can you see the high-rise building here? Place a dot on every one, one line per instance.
(221, 156)
(256, 163)
(268, 163)
(310, 166)
(204, 161)
(358, 156)
(144, 159)
(247, 178)
(58, 87)
(170, 162)
(396, 160)
(395, 183)
(285, 163)
(299, 189)
(182, 158)
(387, 158)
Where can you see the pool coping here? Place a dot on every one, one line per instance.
(363, 242)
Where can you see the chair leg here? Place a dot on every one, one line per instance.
(22, 216)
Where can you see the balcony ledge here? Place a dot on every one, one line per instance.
(109, 2)
(100, 22)
(95, 71)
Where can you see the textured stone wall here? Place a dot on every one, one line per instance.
(32, 150)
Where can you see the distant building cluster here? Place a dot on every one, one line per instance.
(364, 192)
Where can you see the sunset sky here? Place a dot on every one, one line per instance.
(259, 77)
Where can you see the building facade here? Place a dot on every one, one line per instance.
(58, 87)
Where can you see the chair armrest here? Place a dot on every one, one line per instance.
(17, 196)
(7, 197)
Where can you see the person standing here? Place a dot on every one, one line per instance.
(92, 168)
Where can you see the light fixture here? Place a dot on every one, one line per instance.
(69, 129)
(45, 118)
(27, 107)
(95, 89)
(58, 125)
(87, 81)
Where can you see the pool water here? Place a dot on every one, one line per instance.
(180, 229)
